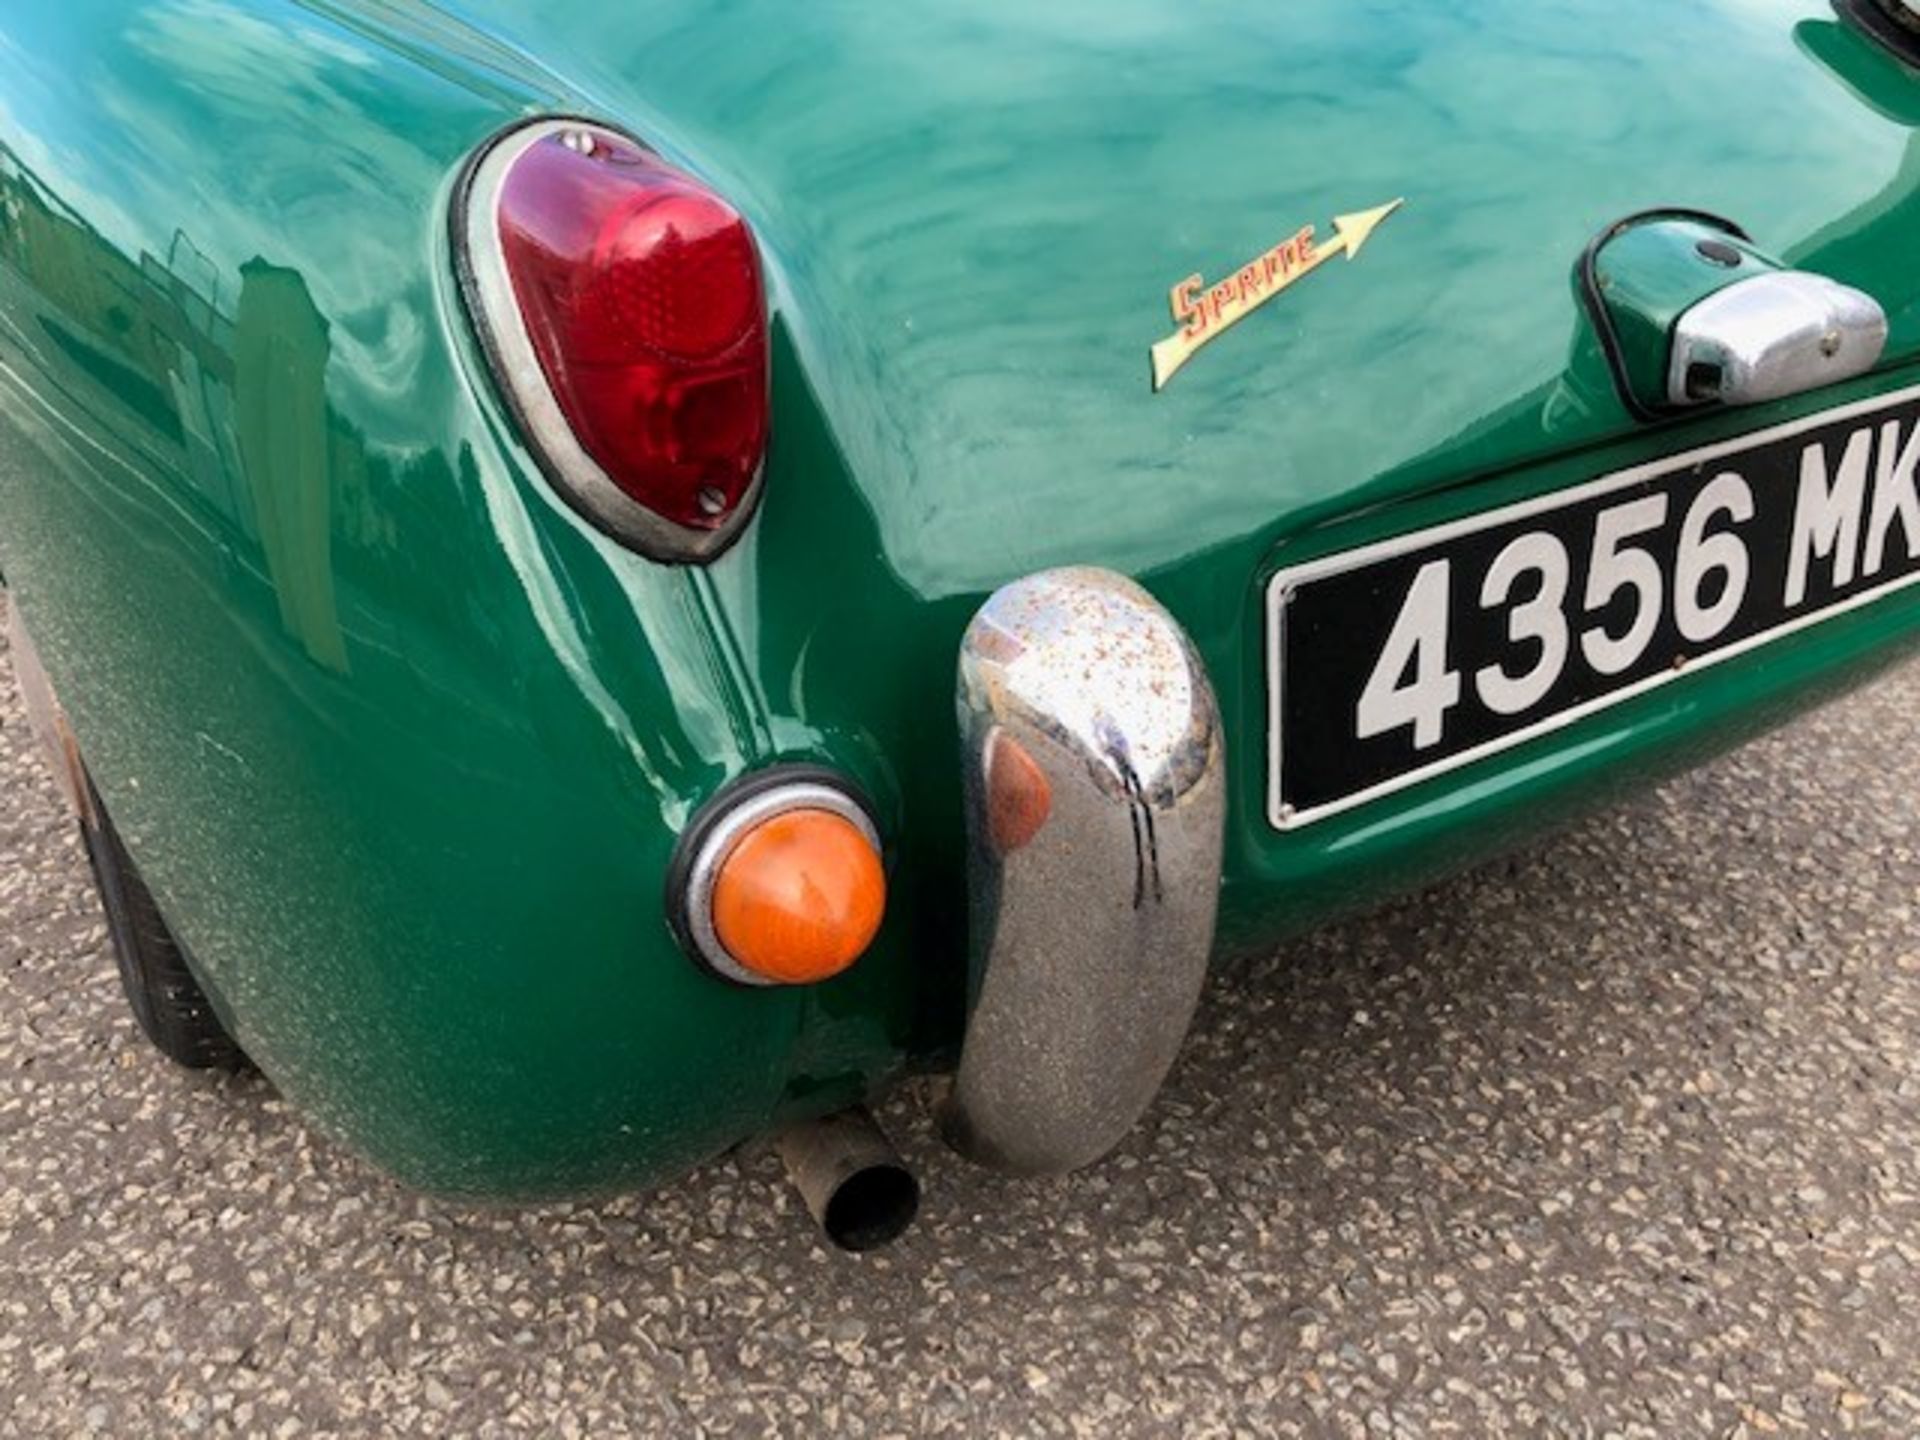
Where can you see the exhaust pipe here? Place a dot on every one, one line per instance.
(853, 1181)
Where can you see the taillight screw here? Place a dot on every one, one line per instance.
(578, 141)
(712, 499)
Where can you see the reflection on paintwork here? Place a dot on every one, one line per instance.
(403, 745)
(280, 364)
(1855, 246)
(977, 232)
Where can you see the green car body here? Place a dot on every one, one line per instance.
(404, 746)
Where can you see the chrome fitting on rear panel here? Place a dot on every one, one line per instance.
(1096, 804)
(1773, 335)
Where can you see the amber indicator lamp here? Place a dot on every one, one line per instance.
(799, 897)
(780, 880)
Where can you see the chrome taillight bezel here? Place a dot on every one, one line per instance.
(486, 289)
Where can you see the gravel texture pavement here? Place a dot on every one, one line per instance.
(1619, 1137)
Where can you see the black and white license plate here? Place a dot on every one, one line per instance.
(1400, 660)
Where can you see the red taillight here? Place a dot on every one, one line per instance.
(623, 303)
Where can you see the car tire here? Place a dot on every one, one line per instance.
(167, 1001)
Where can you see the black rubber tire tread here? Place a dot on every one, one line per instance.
(168, 1002)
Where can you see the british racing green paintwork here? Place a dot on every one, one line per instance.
(402, 746)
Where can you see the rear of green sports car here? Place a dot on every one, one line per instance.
(628, 575)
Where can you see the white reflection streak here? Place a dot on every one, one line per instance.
(549, 611)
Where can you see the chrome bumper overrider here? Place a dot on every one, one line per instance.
(1096, 802)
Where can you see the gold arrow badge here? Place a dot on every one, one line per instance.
(1205, 312)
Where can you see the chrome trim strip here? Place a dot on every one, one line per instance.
(726, 833)
(1092, 911)
(1285, 580)
(488, 292)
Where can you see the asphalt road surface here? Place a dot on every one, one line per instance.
(1620, 1137)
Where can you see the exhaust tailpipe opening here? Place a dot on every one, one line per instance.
(853, 1181)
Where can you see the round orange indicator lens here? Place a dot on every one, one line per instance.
(799, 897)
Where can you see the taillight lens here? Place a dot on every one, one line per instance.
(623, 305)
